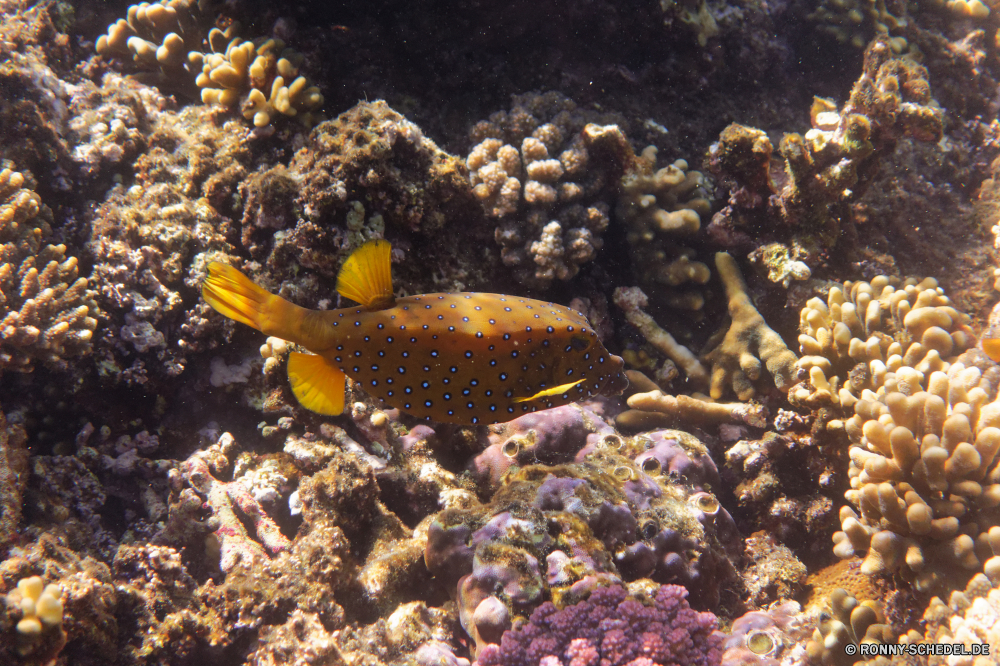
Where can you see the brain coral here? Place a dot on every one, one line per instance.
(46, 312)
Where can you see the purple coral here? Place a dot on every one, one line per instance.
(611, 630)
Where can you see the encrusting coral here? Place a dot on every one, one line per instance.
(970, 616)
(547, 171)
(13, 479)
(47, 313)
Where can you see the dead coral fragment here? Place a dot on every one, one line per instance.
(736, 361)
(46, 311)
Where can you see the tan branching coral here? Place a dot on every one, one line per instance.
(260, 77)
(46, 311)
(971, 616)
(848, 621)
(748, 344)
(865, 330)
(829, 167)
(657, 410)
(924, 480)
(659, 208)
(546, 171)
(924, 430)
(241, 72)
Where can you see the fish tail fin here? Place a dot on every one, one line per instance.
(235, 295)
(317, 385)
(366, 276)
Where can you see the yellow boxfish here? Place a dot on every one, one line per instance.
(467, 358)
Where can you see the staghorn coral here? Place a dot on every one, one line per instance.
(546, 171)
(830, 167)
(610, 628)
(47, 313)
(659, 209)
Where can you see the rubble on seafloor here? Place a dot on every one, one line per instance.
(797, 264)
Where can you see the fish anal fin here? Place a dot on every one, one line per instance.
(366, 276)
(317, 385)
(555, 390)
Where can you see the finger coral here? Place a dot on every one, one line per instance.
(546, 171)
(47, 312)
(661, 208)
(261, 77)
(610, 628)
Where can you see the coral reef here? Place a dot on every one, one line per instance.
(13, 478)
(546, 170)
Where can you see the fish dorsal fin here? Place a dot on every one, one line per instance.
(366, 276)
(317, 385)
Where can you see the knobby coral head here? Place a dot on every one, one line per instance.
(610, 629)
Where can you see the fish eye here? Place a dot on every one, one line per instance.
(579, 343)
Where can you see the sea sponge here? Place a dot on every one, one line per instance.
(46, 312)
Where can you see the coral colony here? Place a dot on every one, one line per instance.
(538, 334)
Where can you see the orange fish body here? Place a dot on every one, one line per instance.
(468, 358)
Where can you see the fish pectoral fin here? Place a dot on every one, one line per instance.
(555, 390)
(366, 276)
(318, 385)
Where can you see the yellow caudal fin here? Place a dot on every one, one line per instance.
(555, 390)
(366, 276)
(317, 385)
(235, 295)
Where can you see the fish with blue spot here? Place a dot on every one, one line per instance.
(465, 358)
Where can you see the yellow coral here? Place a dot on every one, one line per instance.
(40, 605)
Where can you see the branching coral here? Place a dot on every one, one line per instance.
(46, 312)
(970, 616)
(546, 170)
(166, 38)
(660, 208)
(855, 22)
(865, 330)
(924, 430)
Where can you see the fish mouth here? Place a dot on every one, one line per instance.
(617, 382)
